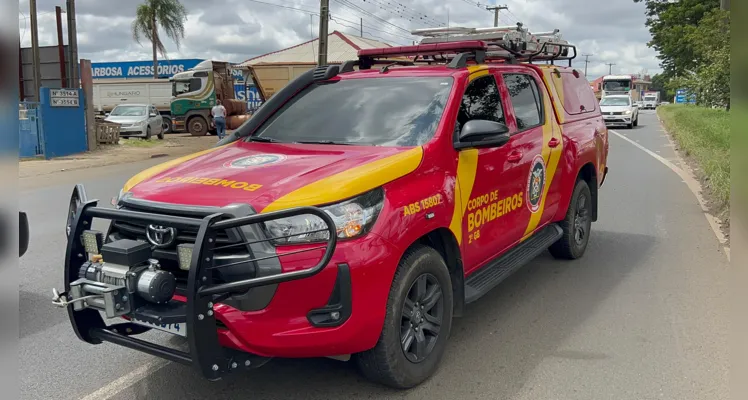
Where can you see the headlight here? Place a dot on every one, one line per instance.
(143, 122)
(627, 112)
(352, 218)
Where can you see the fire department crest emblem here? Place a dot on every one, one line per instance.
(535, 183)
(254, 161)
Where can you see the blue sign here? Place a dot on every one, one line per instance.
(682, 97)
(248, 94)
(141, 69)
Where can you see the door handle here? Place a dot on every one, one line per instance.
(553, 142)
(514, 156)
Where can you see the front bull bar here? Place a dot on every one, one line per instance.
(205, 352)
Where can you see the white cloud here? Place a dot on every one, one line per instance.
(612, 31)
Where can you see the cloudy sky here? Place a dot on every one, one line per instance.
(612, 31)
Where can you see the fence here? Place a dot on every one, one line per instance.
(30, 135)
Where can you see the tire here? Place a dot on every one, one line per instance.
(569, 247)
(161, 134)
(197, 126)
(148, 133)
(636, 121)
(168, 125)
(387, 362)
(630, 126)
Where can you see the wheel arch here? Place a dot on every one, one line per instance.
(443, 241)
(588, 173)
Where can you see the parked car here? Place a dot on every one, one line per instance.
(141, 120)
(619, 110)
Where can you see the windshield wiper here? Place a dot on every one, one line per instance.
(263, 139)
(325, 142)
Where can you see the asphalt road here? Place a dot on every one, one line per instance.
(642, 316)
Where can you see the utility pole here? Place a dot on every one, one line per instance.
(496, 10)
(324, 14)
(362, 27)
(725, 5)
(610, 68)
(35, 50)
(73, 44)
(61, 48)
(586, 61)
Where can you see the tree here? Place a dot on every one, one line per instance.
(710, 80)
(670, 24)
(170, 15)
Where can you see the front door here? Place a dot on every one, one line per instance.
(495, 197)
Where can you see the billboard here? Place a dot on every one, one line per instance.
(141, 69)
(248, 93)
(49, 68)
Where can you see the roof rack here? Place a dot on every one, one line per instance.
(457, 46)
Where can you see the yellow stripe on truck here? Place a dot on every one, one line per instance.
(467, 167)
(157, 169)
(551, 156)
(352, 182)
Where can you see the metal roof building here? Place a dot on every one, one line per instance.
(274, 70)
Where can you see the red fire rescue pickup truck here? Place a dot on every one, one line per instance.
(355, 214)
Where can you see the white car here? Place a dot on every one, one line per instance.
(619, 110)
(142, 120)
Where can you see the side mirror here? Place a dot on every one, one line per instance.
(482, 133)
(106, 114)
(23, 235)
(154, 115)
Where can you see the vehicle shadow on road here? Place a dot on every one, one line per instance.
(494, 347)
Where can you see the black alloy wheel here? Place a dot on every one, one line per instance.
(422, 314)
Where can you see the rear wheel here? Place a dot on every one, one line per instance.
(417, 324)
(167, 125)
(576, 226)
(197, 126)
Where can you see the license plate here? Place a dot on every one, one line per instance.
(179, 329)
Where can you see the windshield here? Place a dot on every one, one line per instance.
(649, 98)
(185, 86)
(128, 111)
(615, 101)
(617, 85)
(375, 111)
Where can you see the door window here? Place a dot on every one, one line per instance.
(480, 101)
(525, 98)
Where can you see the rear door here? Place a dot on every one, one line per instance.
(526, 165)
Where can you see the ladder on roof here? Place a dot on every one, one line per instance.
(505, 41)
(457, 46)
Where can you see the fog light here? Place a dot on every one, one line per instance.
(92, 241)
(184, 253)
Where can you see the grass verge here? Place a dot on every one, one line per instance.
(137, 142)
(703, 134)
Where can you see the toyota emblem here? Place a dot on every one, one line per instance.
(161, 236)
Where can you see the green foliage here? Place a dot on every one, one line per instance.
(169, 15)
(704, 134)
(660, 83)
(693, 41)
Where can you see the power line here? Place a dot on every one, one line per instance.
(610, 68)
(315, 13)
(348, 4)
(406, 11)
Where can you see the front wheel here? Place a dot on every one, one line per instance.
(417, 323)
(576, 226)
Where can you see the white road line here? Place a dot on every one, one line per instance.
(117, 386)
(693, 185)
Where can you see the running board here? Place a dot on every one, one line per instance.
(488, 277)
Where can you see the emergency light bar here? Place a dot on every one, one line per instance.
(458, 45)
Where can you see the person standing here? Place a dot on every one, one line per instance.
(219, 118)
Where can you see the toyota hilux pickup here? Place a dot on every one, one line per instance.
(354, 216)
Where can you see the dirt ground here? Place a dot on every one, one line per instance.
(173, 145)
